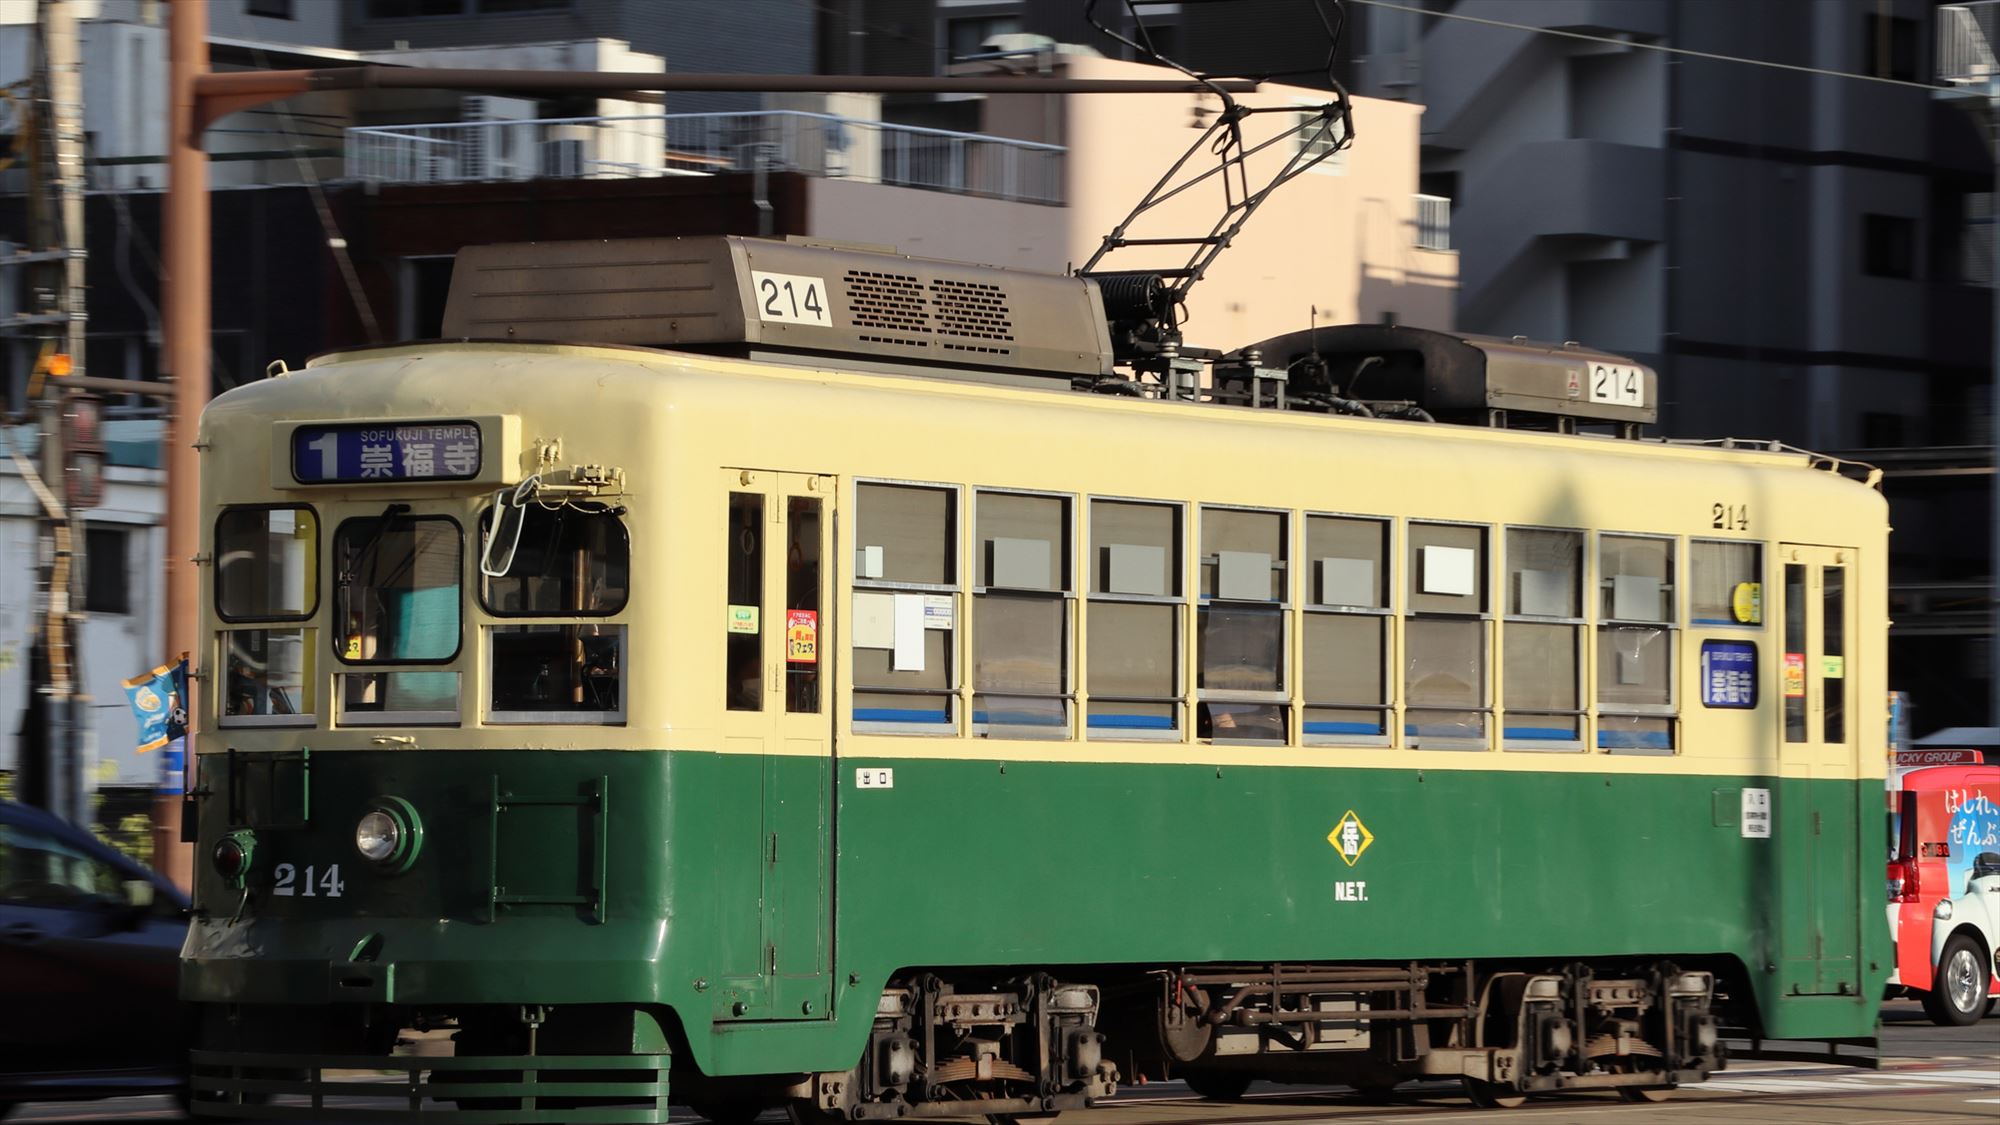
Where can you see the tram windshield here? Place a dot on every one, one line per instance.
(396, 593)
(568, 562)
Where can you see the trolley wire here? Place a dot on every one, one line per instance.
(1662, 48)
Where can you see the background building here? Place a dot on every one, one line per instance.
(1804, 257)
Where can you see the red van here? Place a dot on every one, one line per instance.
(1944, 886)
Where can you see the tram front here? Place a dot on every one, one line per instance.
(414, 724)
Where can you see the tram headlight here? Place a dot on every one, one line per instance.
(388, 834)
(1942, 912)
(377, 836)
(234, 855)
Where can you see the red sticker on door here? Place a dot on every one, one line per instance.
(1795, 675)
(802, 636)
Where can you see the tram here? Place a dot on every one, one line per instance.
(768, 674)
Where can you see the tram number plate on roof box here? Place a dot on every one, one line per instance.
(368, 452)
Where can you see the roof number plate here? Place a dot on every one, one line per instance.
(1618, 384)
(791, 298)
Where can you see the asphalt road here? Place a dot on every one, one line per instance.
(1931, 1075)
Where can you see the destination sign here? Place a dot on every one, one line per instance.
(381, 452)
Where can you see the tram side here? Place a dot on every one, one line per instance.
(916, 680)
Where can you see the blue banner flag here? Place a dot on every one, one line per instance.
(159, 702)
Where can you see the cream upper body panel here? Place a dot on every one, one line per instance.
(671, 421)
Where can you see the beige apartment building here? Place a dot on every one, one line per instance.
(1351, 238)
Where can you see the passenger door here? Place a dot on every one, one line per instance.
(778, 728)
(1816, 819)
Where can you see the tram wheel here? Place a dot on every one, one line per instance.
(1645, 1093)
(1487, 1095)
(1217, 1085)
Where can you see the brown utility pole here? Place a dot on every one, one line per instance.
(184, 285)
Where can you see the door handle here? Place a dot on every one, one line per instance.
(20, 933)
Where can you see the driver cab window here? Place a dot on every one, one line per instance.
(560, 562)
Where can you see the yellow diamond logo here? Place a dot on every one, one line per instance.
(1350, 837)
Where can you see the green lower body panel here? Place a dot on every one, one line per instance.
(763, 902)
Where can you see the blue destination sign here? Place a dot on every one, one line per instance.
(1729, 674)
(371, 452)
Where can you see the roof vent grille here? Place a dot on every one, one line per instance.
(893, 302)
(971, 308)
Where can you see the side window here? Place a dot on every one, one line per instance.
(1021, 615)
(1725, 583)
(1344, 671)
(266, 570)
(1541, 640)
(1241, 674)
(1635, 644)
(1446, 688)
(906, 608)
(1136, 592)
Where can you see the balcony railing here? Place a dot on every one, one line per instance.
(697, 144)
(1966, 34)
(1433, 222)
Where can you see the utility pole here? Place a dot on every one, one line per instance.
(55, 728)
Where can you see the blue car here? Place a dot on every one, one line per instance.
(90, 947)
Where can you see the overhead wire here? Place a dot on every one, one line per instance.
(1660, 48)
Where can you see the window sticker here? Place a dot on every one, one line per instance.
(1747, 601)
(1795, 675)
(743, 619)
(802, 636)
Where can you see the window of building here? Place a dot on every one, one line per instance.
(906, 608)
(107, 584)
(1542, 640)
(397, 589)
(405, 9)
(1344, 673)
(1889, 45)
(1133, 661)
(967, 35)
(1446, 690)
(1725, 583)
(1888, 246)
(269, 9)
(266, 562)
(1241, 644)
(1020, 615)
(1635, 644)
(1315, 136)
